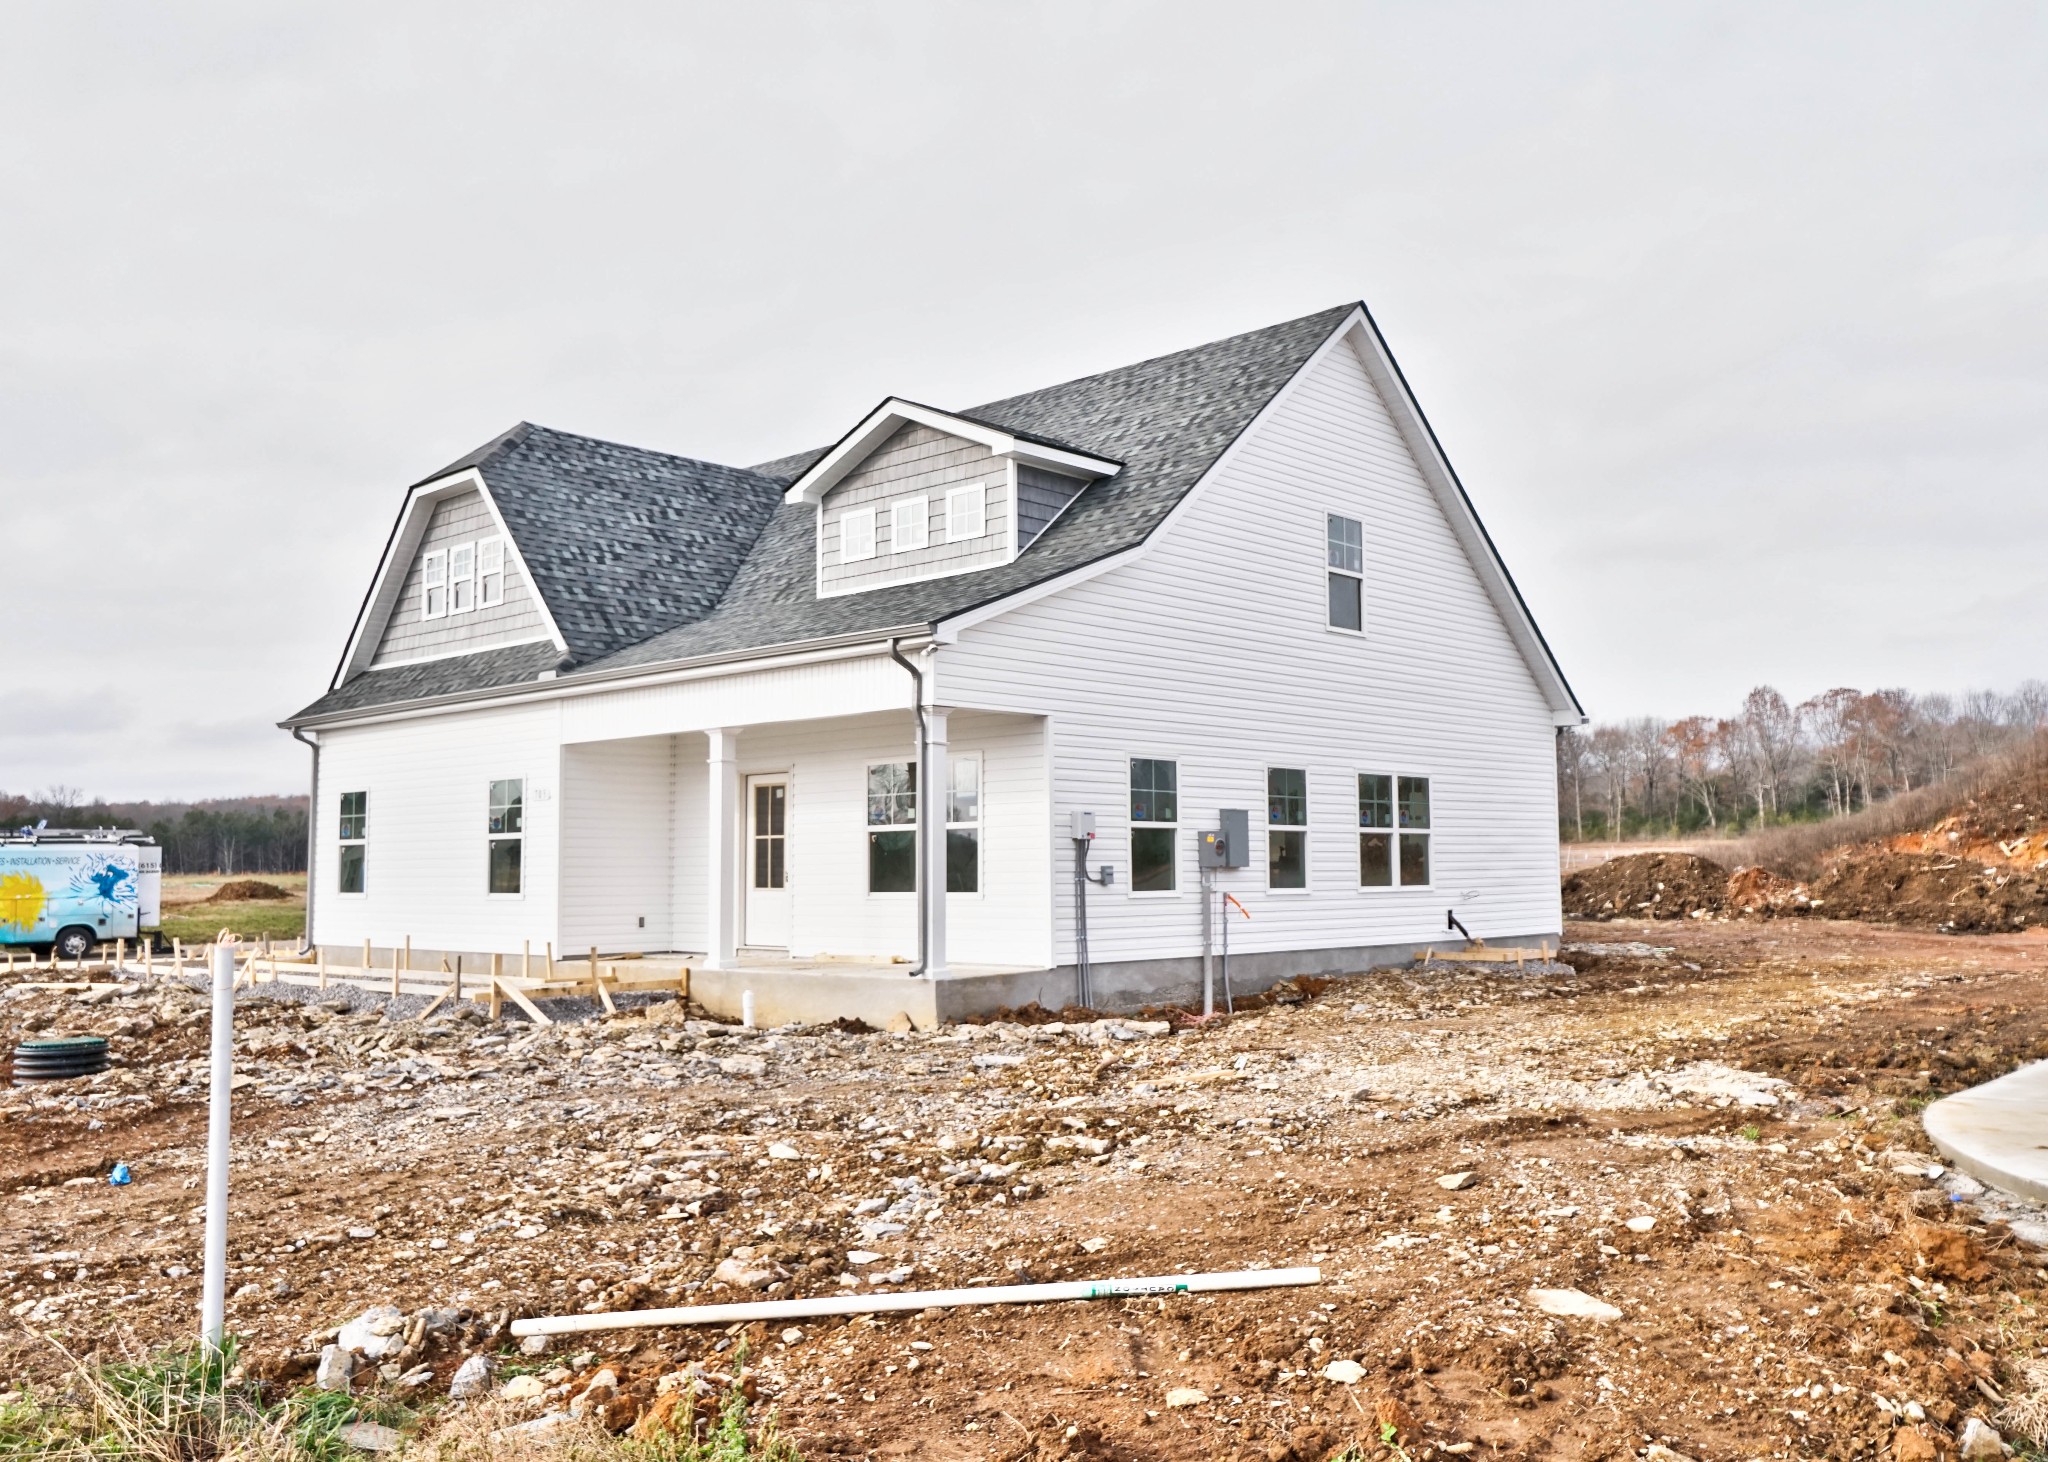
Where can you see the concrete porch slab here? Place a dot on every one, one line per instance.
(1998, 1132)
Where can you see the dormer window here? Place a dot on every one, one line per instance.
(856, 535)
(462, 578)
(966, 513)
(910, 524)
(952, 494)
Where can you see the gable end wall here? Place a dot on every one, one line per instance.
(1213, 650)
(462, 518)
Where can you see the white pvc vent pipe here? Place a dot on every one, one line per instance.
(920, 1299)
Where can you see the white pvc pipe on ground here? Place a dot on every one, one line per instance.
(925, 1299)
(221, 1077)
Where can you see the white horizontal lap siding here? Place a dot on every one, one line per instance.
(426, 862)
(618, 837)
(828, 688)
(1213, 651)
(832, 911)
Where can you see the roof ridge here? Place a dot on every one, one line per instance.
(1154, 360)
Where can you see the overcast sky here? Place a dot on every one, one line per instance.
(1734, 318)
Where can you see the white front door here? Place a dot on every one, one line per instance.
(767, 862)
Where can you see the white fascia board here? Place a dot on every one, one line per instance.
(880, 424)
(399, 550)
(913, 639)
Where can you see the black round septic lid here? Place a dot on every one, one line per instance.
(61, 1043)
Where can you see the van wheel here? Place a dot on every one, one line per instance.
(73, 943)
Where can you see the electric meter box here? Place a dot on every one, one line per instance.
(1229, 846)
(1082, 826)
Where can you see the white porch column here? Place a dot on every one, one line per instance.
(931, 801)
(721, 835)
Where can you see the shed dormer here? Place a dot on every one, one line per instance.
(913, 493)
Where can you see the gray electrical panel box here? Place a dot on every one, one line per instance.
(1081, 825)
(1230, 845)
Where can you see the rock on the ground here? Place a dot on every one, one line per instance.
(1573, 1304)
(1642, 1223)
(1344, 1372)
(1456, 1181)
(374, 1334)
(1180, 1396)
(1980, 1442)
(337, 1369)
(370, 1436)
(747, 1272)
(523, 1388)
(472, 1378)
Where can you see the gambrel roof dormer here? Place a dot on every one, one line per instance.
(915, 493)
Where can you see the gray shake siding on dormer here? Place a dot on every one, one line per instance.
(464, 518)
(1040, 496)
(915, 462)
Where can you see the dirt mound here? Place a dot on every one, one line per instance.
(1648, 886)
(246, 890)
(1960, 895)
(1758, 891)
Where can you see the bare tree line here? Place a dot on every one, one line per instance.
(221, 835)
(1774, 762)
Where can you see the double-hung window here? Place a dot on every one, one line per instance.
(461, 578)
(1346, 542)
(892, 827)
(490, 572)
(1388, 854)
(1413, 814)
(856, 535)
(1155, 819)
(434, 583)
(966, 512)
(963, 825)
(1286, 827)
(507, 834)
(910, 524)
(354, 836)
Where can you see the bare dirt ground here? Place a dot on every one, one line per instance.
(1801, 1288)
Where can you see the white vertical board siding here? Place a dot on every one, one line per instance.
(426, 865)
(1213, 650)
(618, 837)
(832, 911)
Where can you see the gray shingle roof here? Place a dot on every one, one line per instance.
(646, 558)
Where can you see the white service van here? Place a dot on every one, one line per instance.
(72, 888)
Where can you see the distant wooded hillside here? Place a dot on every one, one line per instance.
(219, 835)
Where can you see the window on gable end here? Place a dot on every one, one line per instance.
(1346, 542)
(461, 578)
(434, 583)
(856, 535)
(490, 572)
(966, 512)
(910, 523)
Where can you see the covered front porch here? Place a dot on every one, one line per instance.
(800, 856)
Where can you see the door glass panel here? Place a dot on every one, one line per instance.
(770, 816)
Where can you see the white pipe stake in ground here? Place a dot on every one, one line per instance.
(924, 1299)
(213, 1301)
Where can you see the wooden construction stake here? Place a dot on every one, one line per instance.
(394, 974)
(604, 995)
(526, 959)
(497, 998)
(533, 1011)
(458, 977)
(593, 968)
(323, 967)
(177, 959)
(551, 959)
(120, 953)
(408, 951)
(366, 956)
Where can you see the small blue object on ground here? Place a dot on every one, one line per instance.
(120, 1177)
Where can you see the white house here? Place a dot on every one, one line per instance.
(604, 697)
